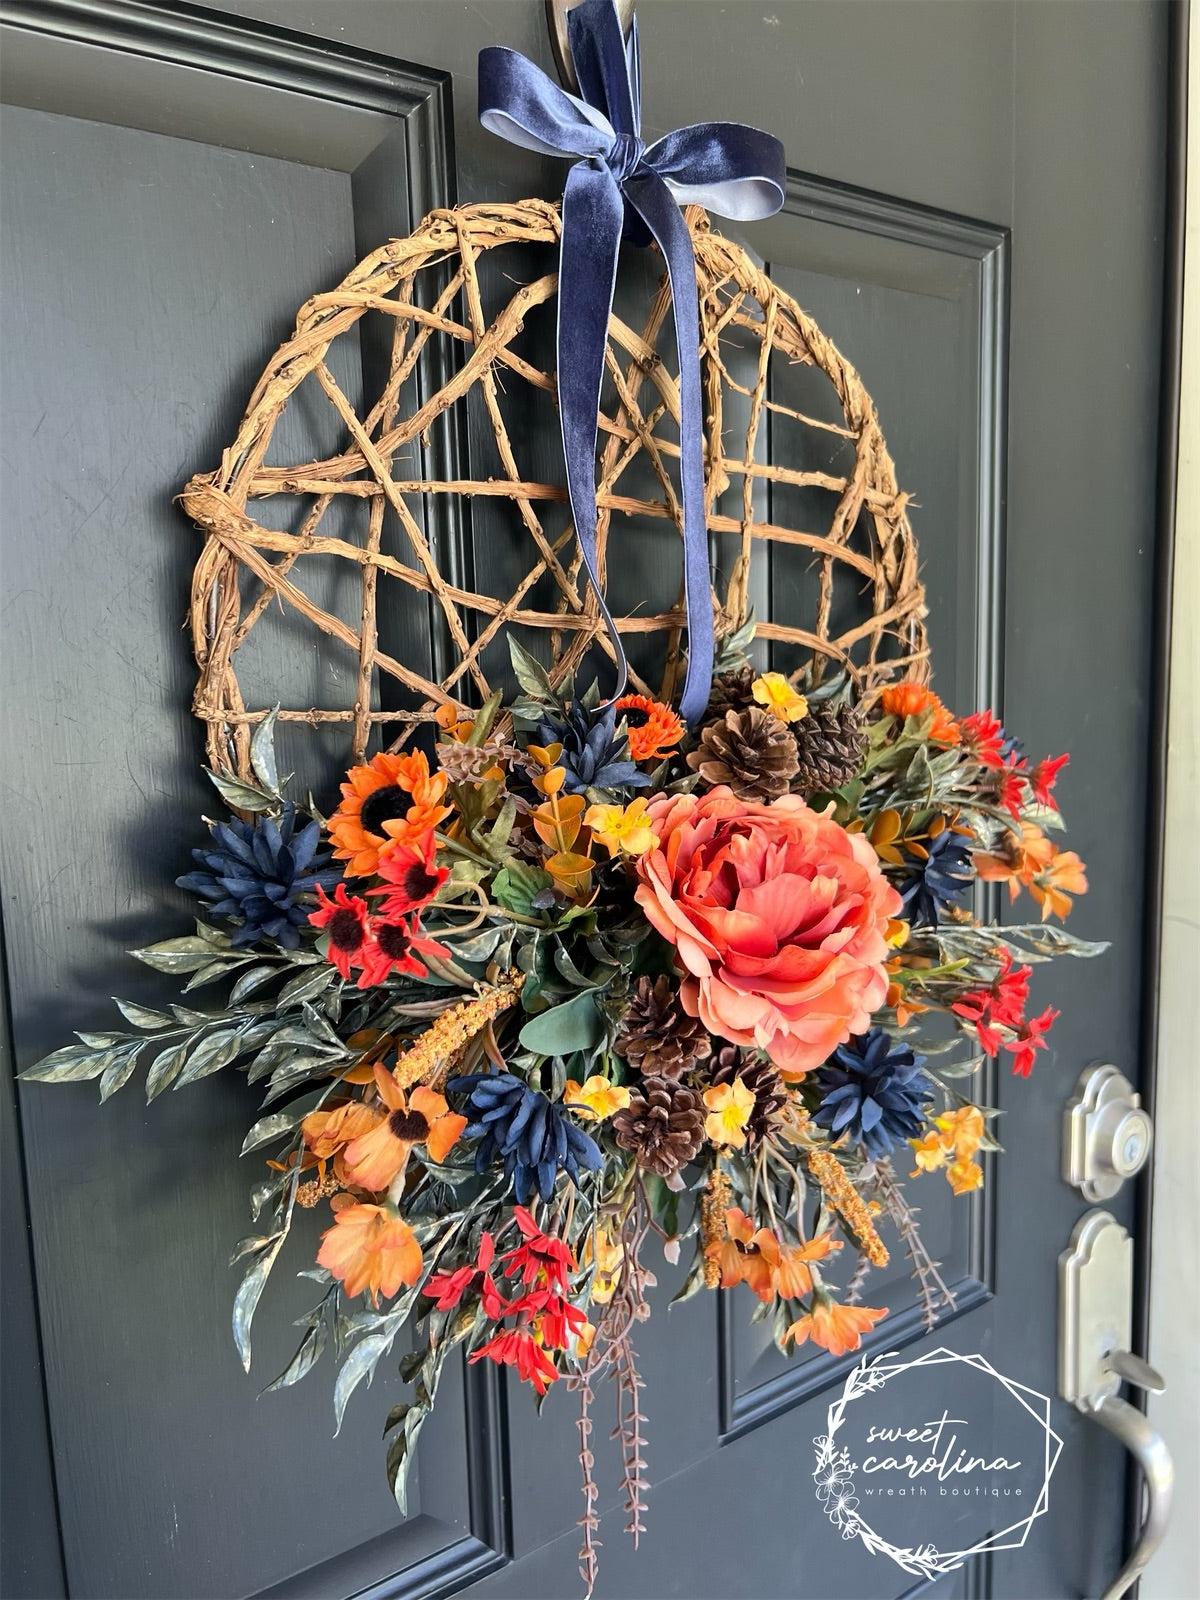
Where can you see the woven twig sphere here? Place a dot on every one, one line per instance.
(454, 309)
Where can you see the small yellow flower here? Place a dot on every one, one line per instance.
(964, 1176)
(609, 1254)
(930, 1154)
(897, 933)
(774, 692)
(597, 1096)
(961, 1130)
(622, 828)
(729, 1107)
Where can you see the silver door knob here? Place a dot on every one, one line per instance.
(1095, 1319)
(1106, 1134)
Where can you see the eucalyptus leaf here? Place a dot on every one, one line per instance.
(73, 1063)
(268, 1129)
(165, 1068)
(359, 1364)
(210, 1055)
(305, 986)
(246, 1302)
(239, 796)
(311, 1349)
(529, 672)
(214, 970)
(118, 1074)
(189, 1018)
(142, 1016)
(262, 752)
(250, 981)
(574, 1025)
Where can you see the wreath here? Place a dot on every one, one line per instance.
(560, 972)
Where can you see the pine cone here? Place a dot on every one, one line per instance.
(658, 1036)
(663, 1125)
(752, 751)
(760, 1077)
(732, 691)
(830, 744)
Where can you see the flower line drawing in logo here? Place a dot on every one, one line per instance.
(833, 1475)
(834, 1472)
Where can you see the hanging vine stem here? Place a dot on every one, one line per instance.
(612, 1354)
(935, 1292)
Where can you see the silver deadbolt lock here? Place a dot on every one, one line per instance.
(1106, 1134)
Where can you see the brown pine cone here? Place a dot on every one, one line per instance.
(663, 1125)
(830, 745)
(732, 691)
(760, 1077)
(657, 1035)
(752, 751)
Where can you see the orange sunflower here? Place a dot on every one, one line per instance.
(654, 729)
(385, 791)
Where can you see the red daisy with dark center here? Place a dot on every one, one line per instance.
(411, 876)
(345, 920)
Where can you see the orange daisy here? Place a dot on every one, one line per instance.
(370, 1247)
(376, 1158)
(327, 1132)
(654, 729)
(838, 1329)
(382, 791)
(911, 700)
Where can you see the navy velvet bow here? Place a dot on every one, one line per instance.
(620, 188)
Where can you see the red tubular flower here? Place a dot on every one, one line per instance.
(517, 1347)
(983, 738)
(448, 1288)
(1044, 776)
(1011, 785)
(556, 1321)
(410, 875)
(1000, 1006)
(345, 917)
(1029, 1040)
(542, 1259)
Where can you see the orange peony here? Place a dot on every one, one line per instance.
(779, 918)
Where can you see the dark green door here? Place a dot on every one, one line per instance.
(976, 216)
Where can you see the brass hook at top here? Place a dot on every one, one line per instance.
(556, 21)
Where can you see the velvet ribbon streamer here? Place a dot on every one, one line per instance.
(620, 188)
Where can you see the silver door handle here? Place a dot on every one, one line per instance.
(1095, 1324)
(1158, 1470)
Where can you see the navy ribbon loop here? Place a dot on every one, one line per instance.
(620, 188)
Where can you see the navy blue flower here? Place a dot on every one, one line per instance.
(534, 1136)
(592, 754)
(937, 880)
(873, 1089)
(256, 872)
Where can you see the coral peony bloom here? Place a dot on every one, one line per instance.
(370, 1247)
(779, 918)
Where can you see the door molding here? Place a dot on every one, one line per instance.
(988, 246)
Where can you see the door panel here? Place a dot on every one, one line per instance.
(176, 184)
(178, 261)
